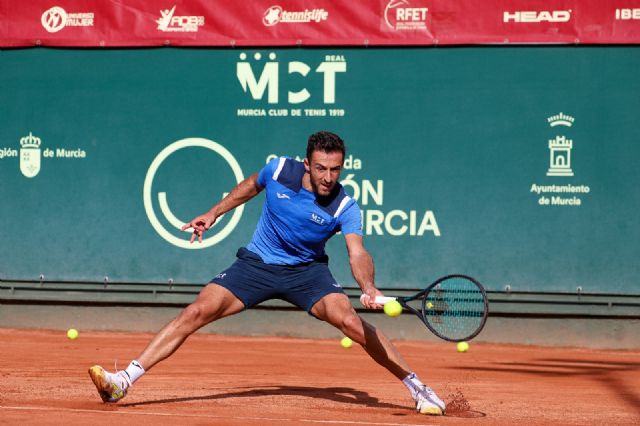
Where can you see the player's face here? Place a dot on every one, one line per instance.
(324, 170)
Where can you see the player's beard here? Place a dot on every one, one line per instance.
(319, 188)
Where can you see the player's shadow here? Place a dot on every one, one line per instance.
(605, 372)
(337, 394)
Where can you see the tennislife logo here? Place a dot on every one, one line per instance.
(174, 234)
(263, 78)
(277, 15)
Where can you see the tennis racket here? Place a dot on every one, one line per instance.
(454, 308)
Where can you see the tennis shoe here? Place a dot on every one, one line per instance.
(427, 402)
(112, 387)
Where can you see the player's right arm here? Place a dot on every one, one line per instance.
(240, 194)
(362, 270)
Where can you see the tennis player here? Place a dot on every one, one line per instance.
(304, 207)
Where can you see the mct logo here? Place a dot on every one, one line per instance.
(317, 219)
(268, 79)
(217, 234)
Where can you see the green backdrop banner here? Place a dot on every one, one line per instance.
(514, 165)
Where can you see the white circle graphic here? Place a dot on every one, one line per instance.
(148, 204)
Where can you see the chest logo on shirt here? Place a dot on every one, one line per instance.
(282, 196)
(317, 219)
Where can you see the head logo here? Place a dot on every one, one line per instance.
(54, 19)
(162, 197)
(527, 16)
(398, 15)
(275, 15)
(30, 155)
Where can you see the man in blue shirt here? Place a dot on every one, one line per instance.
(304, 206)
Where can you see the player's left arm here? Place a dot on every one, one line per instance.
(362, 269)
(240, 194)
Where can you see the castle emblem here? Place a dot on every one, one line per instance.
(560, 157)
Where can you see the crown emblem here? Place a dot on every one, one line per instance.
(30, 141)
(561, 120)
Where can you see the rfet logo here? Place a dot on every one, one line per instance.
(402, 15)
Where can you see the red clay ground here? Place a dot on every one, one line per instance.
(223, 380)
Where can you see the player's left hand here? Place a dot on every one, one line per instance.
(199, 225)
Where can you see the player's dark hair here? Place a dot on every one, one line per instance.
(325, 141)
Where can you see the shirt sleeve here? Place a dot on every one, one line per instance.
(350, 220)
(267, 172)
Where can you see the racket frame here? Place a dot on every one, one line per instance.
(404, 302)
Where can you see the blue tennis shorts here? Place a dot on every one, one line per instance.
(253, 281)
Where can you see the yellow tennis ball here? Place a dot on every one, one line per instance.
(429, 305)
(346, 342)
(463, 346)
(72, 334)
(393, 308)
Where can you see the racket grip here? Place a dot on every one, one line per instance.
(379, 299)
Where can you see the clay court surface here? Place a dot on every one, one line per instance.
(225, 380)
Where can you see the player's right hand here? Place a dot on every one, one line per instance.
(367, 298)
(199, 225)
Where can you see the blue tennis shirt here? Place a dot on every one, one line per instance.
(295, 224)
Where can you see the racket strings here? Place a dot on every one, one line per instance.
(455, 309)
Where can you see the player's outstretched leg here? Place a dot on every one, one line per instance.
(213, 302)
(336, 309)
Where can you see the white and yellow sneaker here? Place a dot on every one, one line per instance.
(112, 387)
(427, 402)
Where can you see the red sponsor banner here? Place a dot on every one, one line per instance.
(122, 23)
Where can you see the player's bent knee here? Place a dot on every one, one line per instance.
(192, 317)
(351, 323)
